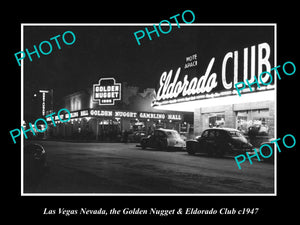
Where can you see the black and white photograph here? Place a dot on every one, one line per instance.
(114, 112)
(145, 114)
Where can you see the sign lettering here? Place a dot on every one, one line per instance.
(211, 84)
(107, 91)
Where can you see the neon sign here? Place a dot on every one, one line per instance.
(107, 91)
(121, 114)
(218, 79)
(43, 101)
(196, 86)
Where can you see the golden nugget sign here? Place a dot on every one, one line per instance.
(107, 91)
(211, 84)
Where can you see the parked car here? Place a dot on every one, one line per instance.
(35, 163)
(163, 139)
(218, 142)
(136, 136)
(183, 135)
(266, 151)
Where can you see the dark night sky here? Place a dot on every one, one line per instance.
(112, 51)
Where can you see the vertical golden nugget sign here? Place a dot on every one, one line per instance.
(107, 91)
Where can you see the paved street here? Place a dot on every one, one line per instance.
(125, 168)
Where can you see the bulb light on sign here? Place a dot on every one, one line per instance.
(107, 91)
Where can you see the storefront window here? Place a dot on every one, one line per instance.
(253, 122)
(108, 130)
(136, 125)
(216, 120)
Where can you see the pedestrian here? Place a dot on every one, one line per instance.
(125, 136)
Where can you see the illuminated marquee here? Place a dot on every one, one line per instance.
(215, 83)
(107, 91)
(121, 114)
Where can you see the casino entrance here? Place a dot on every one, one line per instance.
(107, 129)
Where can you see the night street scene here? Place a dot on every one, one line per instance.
(162, 117)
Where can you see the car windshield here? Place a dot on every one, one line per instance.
(173, 134)
(235, 134)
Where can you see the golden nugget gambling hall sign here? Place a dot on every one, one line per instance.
(120, 114)
(107, 91)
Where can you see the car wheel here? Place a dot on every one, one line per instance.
(161, 146)
(190, 148)
(143, 145)
(210, 150)
(218, 152)
(191, 151)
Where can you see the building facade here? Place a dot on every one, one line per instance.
(235, 88)
(132, 112)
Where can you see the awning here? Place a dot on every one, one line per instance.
(189, 105)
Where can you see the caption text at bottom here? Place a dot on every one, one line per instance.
(151, 211)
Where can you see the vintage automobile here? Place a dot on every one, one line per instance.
(266, 151)
(35, 163)
(136, 136)
(219, 142)
(163, 139)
